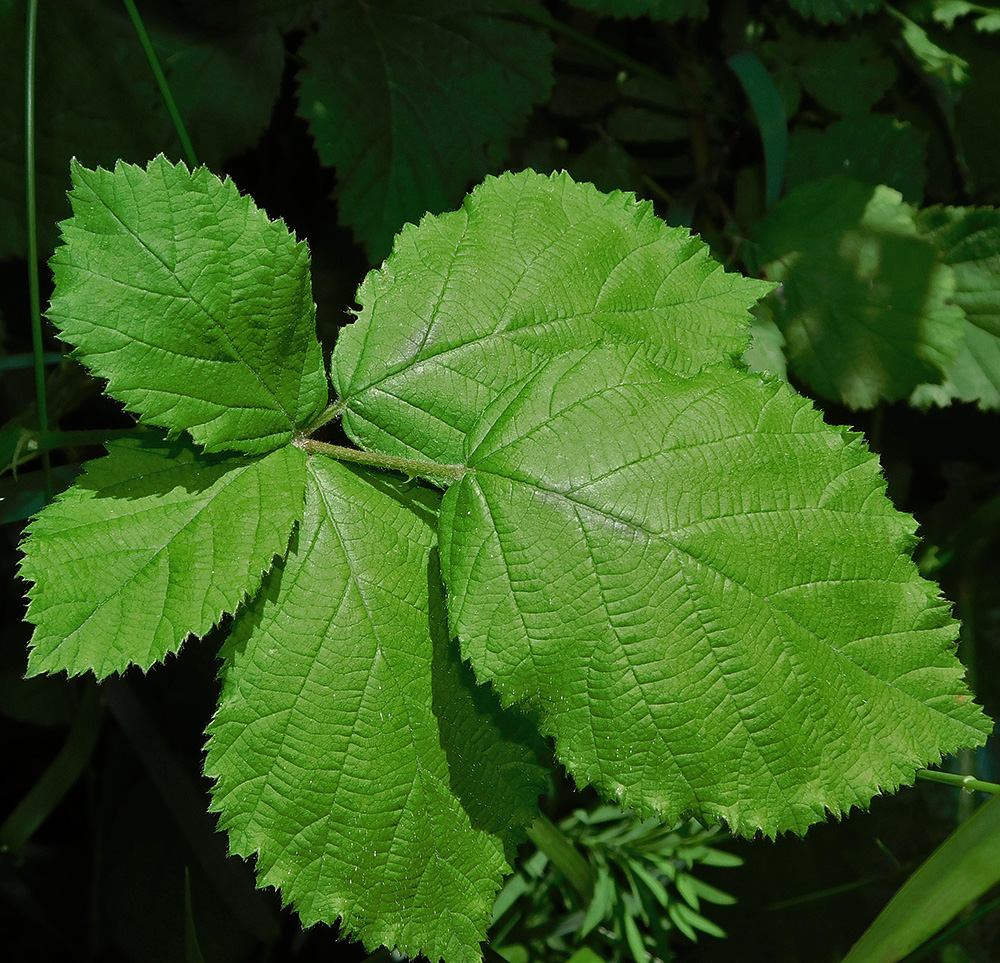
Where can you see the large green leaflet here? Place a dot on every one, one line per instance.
(701, 571)
(199, 313)
(697, 587)
(341, 748)
(157, 538)
(529, 267)
(413, 103)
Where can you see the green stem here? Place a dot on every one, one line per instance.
(552, 841)
(330, 413)
(416, 469)
(34, 294)
(829, 893)
(961, 782)
(161, 82)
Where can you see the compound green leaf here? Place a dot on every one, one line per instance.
(351, 750)
(703, 591)
(153, 543)
(413, 103)
(194, 305)
(531, 265)
(968, 239)
(864, 300)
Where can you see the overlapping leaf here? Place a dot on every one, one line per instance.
(350, 751)
(153, 543)
(530, 266)
(193, 304)
(969, 242)
(412, 104)
(864, 302)
(704, 592)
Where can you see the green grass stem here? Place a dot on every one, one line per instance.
(38, 349)
(161, 82)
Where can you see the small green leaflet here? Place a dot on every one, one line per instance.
(848, 76)
(155, 542)
(529, 267)
(350, 750)
(193, 304)
(703, 591)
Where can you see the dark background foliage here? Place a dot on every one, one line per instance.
(119, 859)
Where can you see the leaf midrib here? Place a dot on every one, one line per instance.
(278, 404)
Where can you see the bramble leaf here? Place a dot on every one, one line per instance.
(703, 591)
(194, 305)
(528, 267)
(864, 301)
(412, 104)
(351, 750)
(153, 543)
(968, 239)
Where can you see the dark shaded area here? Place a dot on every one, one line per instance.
(103, 877)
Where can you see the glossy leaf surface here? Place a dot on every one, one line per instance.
(194, 305)
(155, 542)
(351, 750)
(529, 267)
(703, 591)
